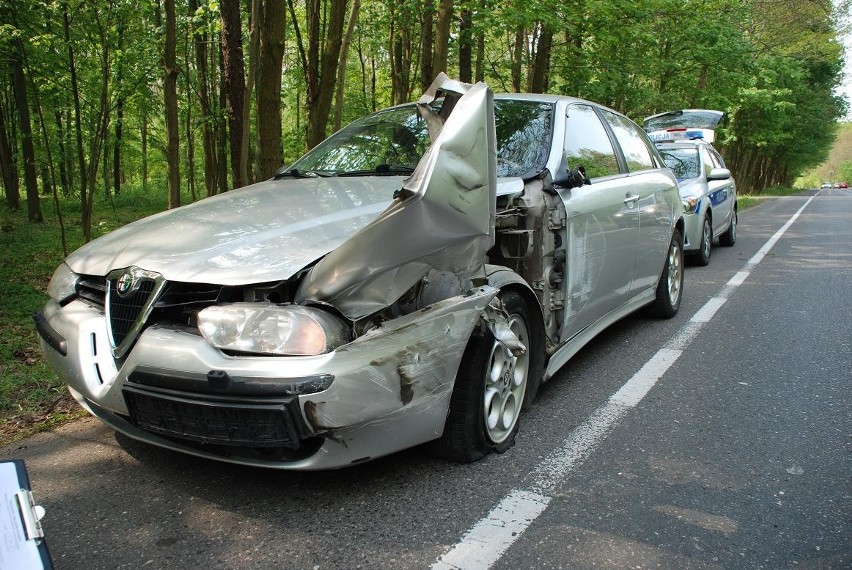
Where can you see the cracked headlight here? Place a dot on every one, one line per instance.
(291, 330)
(63, 284)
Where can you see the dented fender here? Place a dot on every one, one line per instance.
(406, 366)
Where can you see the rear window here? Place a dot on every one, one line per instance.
(684, 162)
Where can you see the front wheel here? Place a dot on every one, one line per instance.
(702, 256)
(670, 286)
(729, 237)
(491, 387)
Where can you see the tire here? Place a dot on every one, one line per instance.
(492, 387)
(670, 286)
(729, 236)
(702, 256)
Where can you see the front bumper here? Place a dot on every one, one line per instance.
(386, 391)
(692, 227)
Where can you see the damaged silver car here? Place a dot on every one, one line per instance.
(412, 279)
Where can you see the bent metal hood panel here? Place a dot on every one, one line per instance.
(263, 232)
(442, 219)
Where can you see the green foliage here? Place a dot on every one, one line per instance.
(31, 396)
(844, 171)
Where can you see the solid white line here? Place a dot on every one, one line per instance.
(641, 383)
(486, 542)
(709, 309)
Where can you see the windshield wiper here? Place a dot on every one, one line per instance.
(380, 170)
(295, 173)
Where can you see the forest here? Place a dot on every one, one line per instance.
(190, 98)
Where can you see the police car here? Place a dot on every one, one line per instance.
(706, 186)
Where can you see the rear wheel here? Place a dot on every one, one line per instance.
(729, 237)
(491, 387)
(670, 286)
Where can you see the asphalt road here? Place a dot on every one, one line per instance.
(738, 456)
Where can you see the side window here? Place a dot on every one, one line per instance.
(709, 160)
(587, 143)
(717, 159)
(632, 142)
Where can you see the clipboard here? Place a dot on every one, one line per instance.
(22, 544)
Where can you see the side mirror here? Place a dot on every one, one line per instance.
(572, 178)
(719, 174)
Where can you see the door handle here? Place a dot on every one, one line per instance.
(631, 199)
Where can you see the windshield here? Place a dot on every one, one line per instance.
(683, 161)
(392, 142)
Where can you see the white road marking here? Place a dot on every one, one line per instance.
(486, 542)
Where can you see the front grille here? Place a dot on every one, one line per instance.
(92, 289)
(177, 295)
(124, 311)
(217, 422)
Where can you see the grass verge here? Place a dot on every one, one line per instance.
(32, 398)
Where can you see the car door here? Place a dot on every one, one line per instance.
(721, 193)
(602, 223)
(649, 184)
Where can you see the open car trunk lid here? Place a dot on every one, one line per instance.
(683, 124)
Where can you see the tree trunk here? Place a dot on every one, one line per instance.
(116, 149)
(65, 166)
(78, 126)
(517, 58)
(398, 66)
(479, 73)
(8, 168)
(49, 179)
(427, 43)
(222, 130)
(101, 129)
(540, 76)
(105, 172)
(119, 118)
(203, 88)
(170, 71)
(190, 132)
(466, 45)
(269, 88)
(19, 86)
(233, 74)
(143, 136)
(341, 67)
(251, 79)
(442, 37)
(322, 65)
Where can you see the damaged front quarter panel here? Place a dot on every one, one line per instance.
(442, 219)
(396, 379)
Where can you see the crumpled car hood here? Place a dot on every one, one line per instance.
(442, 219)
(263, 232)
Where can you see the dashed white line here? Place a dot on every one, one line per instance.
(487, 541)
